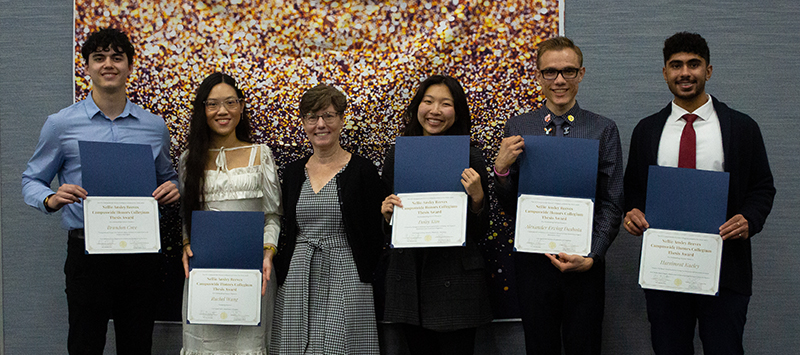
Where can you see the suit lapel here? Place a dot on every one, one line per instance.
(655, 134)
(724, 115)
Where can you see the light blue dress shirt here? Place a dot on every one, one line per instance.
(57, 151)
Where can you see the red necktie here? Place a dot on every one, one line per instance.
(688, 151)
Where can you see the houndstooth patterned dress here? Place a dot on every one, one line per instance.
(323, 307)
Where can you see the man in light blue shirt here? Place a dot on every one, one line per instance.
(99, 287)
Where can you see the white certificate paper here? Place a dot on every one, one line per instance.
(121, 225)
(680, 261)
(548, 224)
(224, 296)
(430, 219)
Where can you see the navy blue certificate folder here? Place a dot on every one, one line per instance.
(430, 164)
(561, 167)
(227, 240)
(687, 200)
(117, 169)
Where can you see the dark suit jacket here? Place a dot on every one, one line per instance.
(360, 196)
(751, 189)
(443, 288)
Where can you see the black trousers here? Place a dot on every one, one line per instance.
(423, 341)
(558, 306)
(102, 287)
(673, 316)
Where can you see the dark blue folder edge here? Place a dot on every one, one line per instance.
(117, 169)
(567, 167)
(688, 200)
(227, 240)
(430, 164)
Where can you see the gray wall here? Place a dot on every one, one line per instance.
(755, 48)
(35, 81)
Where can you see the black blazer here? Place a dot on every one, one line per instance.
(751, 189)
(441, 288)
(360, 196)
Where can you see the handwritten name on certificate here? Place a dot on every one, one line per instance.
(548, 224)
(224, 296)
(121, 225)
(680, 261)
(430, 219)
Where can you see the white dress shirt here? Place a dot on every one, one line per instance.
(710, 155)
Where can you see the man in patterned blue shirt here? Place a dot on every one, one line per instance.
(563, 295)
(122, 286)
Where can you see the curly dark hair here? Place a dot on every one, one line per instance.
(199, 142)
(462, 124)
(686, 42)
(108, 38)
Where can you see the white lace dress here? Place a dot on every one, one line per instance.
(254, 187)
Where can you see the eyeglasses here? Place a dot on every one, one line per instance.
(566, 73)
(229, 103)
(328, 117)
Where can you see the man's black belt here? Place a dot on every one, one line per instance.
(76, 233)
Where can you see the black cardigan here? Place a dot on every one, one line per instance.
(360, 196)
(751, 190)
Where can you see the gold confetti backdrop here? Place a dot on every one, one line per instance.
(376, 52)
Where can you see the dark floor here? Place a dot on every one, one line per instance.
(502, 337)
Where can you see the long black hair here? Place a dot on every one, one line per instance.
(199, 142)
(461, 126)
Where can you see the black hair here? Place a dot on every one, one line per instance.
(686, 42)
(108, 38)
(199, 142)
(461, 126)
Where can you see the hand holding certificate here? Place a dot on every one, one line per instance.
(224, 296)
(682, 251)
(121, 225)
(554, 225)
(430, 219)
(555, 209)
(680, 261)
(427, 180)
(225, 280)
(120, 215)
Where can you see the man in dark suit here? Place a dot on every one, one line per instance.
(699, 130)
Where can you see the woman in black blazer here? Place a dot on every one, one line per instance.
(440, 295)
